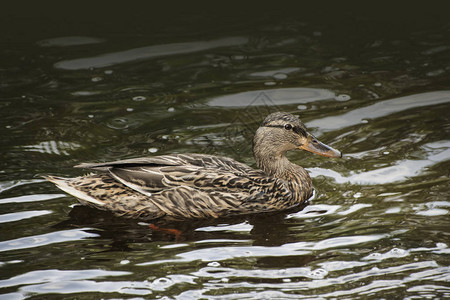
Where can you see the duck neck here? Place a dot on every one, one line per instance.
(277, 165)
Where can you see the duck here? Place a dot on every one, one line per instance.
(200, 186)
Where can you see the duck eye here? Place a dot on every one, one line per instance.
(288, 126)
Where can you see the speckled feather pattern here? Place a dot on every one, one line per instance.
(221, 187)
(198, 185)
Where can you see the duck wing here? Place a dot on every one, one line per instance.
(148, 175)
(194, 159)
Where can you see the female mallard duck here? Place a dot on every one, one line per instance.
(201, 186)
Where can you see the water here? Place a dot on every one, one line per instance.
(80, 85)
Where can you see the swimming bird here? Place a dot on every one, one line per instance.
(195, 186)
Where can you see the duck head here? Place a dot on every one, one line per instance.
(281, 132)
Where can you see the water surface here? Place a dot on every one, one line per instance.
(78, 85)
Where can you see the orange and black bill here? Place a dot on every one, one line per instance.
(315, 146)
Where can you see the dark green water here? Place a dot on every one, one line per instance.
(87, 82)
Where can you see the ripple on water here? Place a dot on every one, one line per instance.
(67, 41)
(7, 185)
(434, 208)
(376, 228)
(54, 275)
(380, 109)
(399, 170)
(119, 123)
(89, 286)
(221, 272)
(361, 281)
(342, 97)
(31, 198)
(272, 97)
(241, 227)
(53, 147)
(17, 216)
(139, 98)
(277, 74)
(45, 239)
(288, 249)
(316, 210)
(393, 253)
(149, 52)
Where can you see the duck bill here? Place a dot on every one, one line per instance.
(317, 147)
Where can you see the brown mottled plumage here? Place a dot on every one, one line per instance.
(202, 186)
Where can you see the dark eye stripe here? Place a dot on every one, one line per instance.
(274, 126)
(296, 129)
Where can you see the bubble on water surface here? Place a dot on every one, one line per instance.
(118, 123)
(96, 79)
(161, 284)
(398, 252)
(441, 245)
(357, 195)
(214, 264)
(342, 97)
(139, 98)
(394, 252)
(318, 274)
(371, 256)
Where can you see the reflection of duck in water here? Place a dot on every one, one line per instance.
(201, 186)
